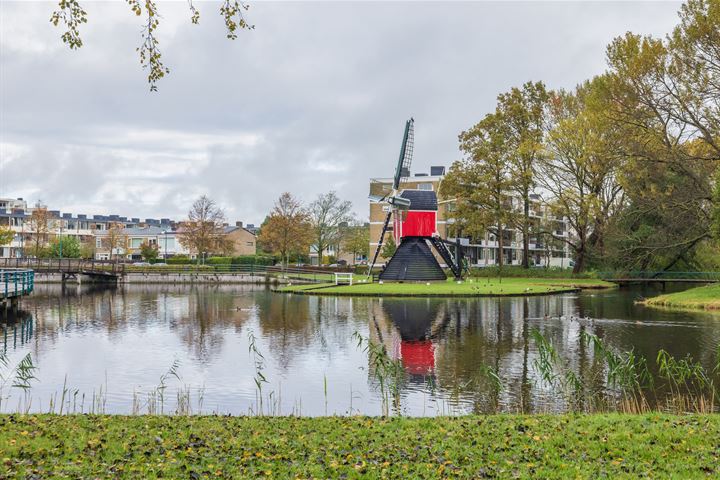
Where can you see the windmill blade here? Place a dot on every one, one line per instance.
(377, 198)
(380, 243)
(406, 152)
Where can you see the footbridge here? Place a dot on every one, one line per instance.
(67, 267)
(637, 277)
(14, 284)
(108, 271)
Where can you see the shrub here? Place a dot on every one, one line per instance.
(218, 260)
(253, 260)
(179, 260)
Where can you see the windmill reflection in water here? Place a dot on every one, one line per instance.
(416, 325)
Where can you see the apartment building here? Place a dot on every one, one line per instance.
(95, 230)
(126, 243)
(482, 250)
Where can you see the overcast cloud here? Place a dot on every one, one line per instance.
(313, 99)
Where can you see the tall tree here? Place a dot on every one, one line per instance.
(523, 111)
(327, 215)
(40, 226)
(287, 230)
(480, 183)
(116, 239)
(665, 98)
(203, 231)
(580, 167)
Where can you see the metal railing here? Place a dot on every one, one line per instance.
(16, 282)
(71, 265)
(661, 275)
(62, 265)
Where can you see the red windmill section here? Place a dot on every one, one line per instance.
(418, 357)
(418, 223)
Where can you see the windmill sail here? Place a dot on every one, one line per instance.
(406, 153)
(402, 170)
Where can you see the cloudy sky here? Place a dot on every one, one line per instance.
(314, 99)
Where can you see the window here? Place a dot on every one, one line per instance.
(135, 242)
(249, 244)
(425, 186)
(98, 243)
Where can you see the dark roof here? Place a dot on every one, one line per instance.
(232, 228)
(421, 199)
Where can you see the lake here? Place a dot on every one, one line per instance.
(129, 346)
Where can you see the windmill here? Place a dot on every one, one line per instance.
(414, 214)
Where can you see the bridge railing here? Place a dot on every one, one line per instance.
(60, 265)
(660, 275)
(72, 265)
(14, 283)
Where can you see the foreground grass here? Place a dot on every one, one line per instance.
(500, 446)
(707, 297)
(472, 287)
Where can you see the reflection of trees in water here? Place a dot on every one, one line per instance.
(16, 330)
(199, 314)
(210, 312)
(300, 325)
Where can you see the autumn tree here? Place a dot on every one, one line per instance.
(580, 168)
(203, 231)
(716, 208)
(327, 215)
(149, 252)
(71, 15)
(287, 230)
(523, 112)
(480, 183)
(40, 227)
(664, 96)
(116, 239)
(356, 240)
(87, 249)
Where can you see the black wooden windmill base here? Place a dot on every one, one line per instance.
(413, 261)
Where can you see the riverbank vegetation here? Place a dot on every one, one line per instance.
(471, 287)
(707, 297)
(630, 158)
(504, 446)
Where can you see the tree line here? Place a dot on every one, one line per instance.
(630, 158)
(291, 229)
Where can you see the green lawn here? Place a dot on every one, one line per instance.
(499, 446)
(707, 297)
(472, 287)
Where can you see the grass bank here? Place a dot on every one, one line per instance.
(496, 446)
(707, 297)
(468, 288)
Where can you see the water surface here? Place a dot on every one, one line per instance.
(122, 341)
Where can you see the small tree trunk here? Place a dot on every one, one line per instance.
(500, 247)
(579, 260)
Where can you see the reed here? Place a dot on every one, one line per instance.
(388, 372)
